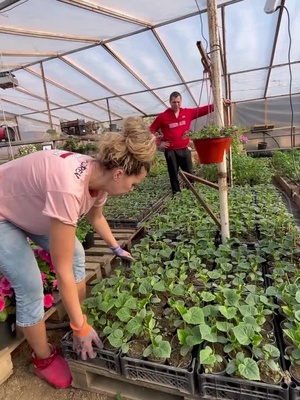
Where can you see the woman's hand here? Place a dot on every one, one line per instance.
(125, 255)
(83, 340)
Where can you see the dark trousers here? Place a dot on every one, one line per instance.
(175, 159)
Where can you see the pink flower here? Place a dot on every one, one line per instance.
(51, 267)
(43, 276)
(2, 304)
(54, 283)
(6, 292)
(44, 255)
(48, 300)
(243, 139)
(4, 284)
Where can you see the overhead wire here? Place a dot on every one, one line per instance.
(290, 90)
(206, 80)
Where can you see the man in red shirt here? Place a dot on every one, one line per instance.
(174, 123)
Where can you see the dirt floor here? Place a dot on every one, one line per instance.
(24, 385)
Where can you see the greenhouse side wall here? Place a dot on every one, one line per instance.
(275, 111)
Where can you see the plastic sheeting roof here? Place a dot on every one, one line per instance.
(125, 57)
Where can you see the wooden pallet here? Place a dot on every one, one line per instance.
(94, 379)
(100, 261)
(6, 365)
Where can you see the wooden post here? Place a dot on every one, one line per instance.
(214, 42)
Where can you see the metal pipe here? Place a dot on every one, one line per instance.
(46, 96)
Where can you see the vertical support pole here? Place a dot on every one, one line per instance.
(46, 95)
(218, 104)
(109, 114)
(227, 113)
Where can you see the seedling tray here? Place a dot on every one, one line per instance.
(228, 388)
(105, 359)
(160, 374)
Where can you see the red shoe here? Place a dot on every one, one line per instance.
(54, 369)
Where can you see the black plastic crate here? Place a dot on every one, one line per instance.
(105, 359)
(227, 388)
(146, 371)
(294, 391)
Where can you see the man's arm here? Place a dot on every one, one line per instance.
(154, 128)
(201, 111)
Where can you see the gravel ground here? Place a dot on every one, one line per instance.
(24, 385)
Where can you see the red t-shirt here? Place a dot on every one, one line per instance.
(173, 128)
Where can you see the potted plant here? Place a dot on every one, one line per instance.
(85, 233)
(243, 367)
(7, 313)
(211, 362)
(212, 141)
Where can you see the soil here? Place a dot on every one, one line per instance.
(218, 348)
(267, 375)
(136, 348)
(179, 361)
(158, 310)
(167, 325)
(268, 326)
(288, 351)
(267, 340)
(24, 385)
(163, 299)
(218, 367)
(295, 372)
(158, 360)
(175, 344)
(247, 352)
(249, 238)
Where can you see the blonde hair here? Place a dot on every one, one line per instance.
(132, 149)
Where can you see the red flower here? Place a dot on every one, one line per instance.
(51, 267)
(48, 300)
(44, 255)
(6, 292)
(4, 284)
(2, 304)
(43, 276)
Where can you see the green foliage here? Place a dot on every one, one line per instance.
(287, 163)
(245, 367)
(214, 131)
(71, 144)
(83, 227)
(245, 170)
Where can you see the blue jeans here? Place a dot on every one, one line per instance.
(19, 266)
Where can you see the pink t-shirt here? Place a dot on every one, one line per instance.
(45, 184)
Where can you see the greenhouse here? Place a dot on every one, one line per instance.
(163, 139)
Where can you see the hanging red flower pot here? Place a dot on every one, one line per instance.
(211, 150)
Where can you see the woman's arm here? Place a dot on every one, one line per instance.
(99, 223)
(62, 241)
